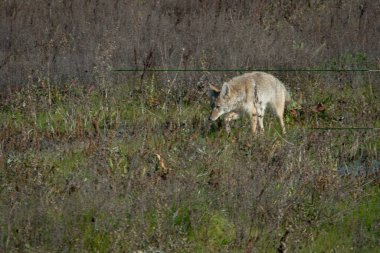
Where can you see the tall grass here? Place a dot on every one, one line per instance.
(128, 169)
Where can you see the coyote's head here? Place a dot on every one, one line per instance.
(220, 101)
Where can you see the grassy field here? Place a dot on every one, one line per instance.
(118, 169)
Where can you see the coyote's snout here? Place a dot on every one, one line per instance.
(250, 93)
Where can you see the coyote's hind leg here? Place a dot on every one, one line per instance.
(279, 110)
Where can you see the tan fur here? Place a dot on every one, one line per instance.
(214, 92)
(250, 93)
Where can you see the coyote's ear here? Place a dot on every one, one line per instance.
(214, 88)
(213, 92)
(225, 90)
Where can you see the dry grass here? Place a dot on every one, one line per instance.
(80, 172)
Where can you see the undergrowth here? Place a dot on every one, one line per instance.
(113, 169)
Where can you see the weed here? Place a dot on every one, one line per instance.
(110, 170)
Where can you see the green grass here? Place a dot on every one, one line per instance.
(355, 227)
(79, 172)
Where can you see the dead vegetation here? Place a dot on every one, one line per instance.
(97, 161)
(106, 170)
(60, 40)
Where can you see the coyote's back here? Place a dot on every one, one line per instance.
(252, 93)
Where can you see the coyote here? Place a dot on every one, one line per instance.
(250, 93)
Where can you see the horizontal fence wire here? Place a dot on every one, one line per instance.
(344, 128)
(243, 70)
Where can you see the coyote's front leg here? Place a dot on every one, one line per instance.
(253, 116)
(227, 120)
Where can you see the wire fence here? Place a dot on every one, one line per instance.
(345, 128)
